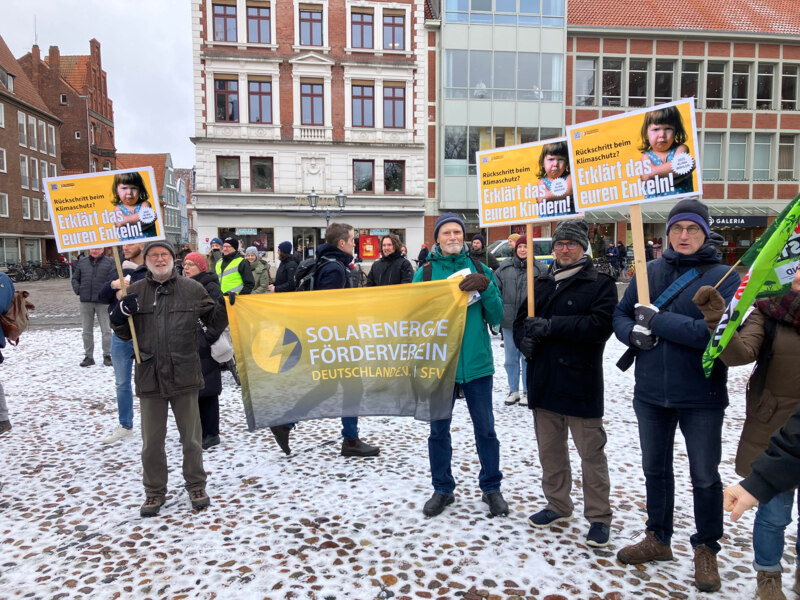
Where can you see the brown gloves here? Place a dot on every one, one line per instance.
(711, 304)
(474, 282)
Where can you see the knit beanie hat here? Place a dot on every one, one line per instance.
(285, 247)
(216, 241)
(690, 209)
(251, 250)
(233, 242)
(162, 244)
(522, 240)
(514, 237)
(575, 230)
(447, 218)
(478, 236)
(198, 259)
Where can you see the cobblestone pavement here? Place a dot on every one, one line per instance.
(57, 306)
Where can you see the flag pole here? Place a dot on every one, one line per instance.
(736, 264)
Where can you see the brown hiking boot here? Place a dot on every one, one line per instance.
(769, 586)
(151, 506)
(706, 574)
(646, 550)
(199, 499)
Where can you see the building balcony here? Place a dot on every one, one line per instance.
(305, 133)
(370, 135)
(244, 131)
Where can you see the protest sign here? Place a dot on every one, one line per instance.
(638, 156)
(95, 210)
(390, 350)
(525, 184)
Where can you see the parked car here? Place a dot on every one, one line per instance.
(541, 250)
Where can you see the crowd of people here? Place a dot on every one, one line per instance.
(553, 359)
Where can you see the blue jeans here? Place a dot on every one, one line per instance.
(768, 529)
(122, 358)
(478, 394)
(515, 363)
(702, 432)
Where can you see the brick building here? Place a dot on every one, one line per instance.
(74, 88)
(29, 152)
(293, 97)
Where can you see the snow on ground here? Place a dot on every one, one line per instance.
(315, 524)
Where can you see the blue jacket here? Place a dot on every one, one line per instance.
(6, 296)
(332, 276)
(671, 374)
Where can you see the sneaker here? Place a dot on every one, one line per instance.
(119, 433)
(5, 426)
(546, 517)
(512, 398)
(769, 586)
(706, 574)
(152, 505)
(497, 505)
(598, 535)
(199, 499)
(646, 550)
(358, 448)
(435, 505)
(209, 441)
(107, 361)
(523, 399)
(281, 434)
(87, 361)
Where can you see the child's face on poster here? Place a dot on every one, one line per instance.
(554, 166)
(129, 194)
(661, 137)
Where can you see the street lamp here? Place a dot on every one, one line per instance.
(327, 211)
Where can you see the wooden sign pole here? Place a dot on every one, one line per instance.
(529, 267)
(640, 262)
(130, 319)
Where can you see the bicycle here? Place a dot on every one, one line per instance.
(603, 266)
(626, 274)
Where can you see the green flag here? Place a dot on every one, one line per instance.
(773, 260)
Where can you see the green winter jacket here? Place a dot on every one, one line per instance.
(260, 270)
(476, 358)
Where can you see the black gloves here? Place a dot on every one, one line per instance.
(643, 314)
(129, 305)
(527, 347)
(642, 339)
(474, 282)
(230, 295)
(537, 327)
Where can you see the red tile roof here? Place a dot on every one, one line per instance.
(157, 161)
(23, 88)
(766, 16)
(75, 70)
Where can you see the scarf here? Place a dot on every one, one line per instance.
(784, 309)
(567, 272)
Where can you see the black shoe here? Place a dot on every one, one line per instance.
(357, 447)
(5, 426)
(497, 506)
(107, 361)
(210, 440)
(281, 433)
(87, 362)
(436, 504)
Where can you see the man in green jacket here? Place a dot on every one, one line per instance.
(474, 373)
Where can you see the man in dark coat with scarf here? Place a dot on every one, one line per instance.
(564, 345)
(392, 268)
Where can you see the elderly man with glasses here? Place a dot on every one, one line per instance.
(671, 389)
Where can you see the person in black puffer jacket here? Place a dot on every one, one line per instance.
(284, 278)
(392, 268)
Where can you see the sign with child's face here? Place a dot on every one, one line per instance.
(110, 208)
(525, 184)
(639, 156)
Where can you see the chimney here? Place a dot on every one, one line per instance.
(35, 60)
(54, 60)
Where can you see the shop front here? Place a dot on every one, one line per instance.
(739, 233)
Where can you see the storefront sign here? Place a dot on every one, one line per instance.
(737, 221)
(379, 232)
(246, 231)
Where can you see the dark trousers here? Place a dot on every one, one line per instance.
(209, 414)
(702, 432)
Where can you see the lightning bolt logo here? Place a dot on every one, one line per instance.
(276, 350)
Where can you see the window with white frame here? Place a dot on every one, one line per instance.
(2, 115)
(712, 156)
(37, 209)
(224, 22)
(362, 28)
(3, 166)
(34, 174)
(585, 81)
(394, 105)
(764, 86)
(260, 97)
(612, 81)
(311, 103)
(42, 137)
(22, 127)
(664, 77)
(715, 84)
(740, 85)
(786, 157)
(45, 210)
(637, 82)
(33, 143)
(23, 171)
(394, 30)
(26, 207)
(311, 30)
(762, 156)
(690, 79)
(3, 204)
(789, 86)
(53, 172)
(9, 250)
(258, 22)
(552, 73)
(737, 156)
(43, 171)
(51, 140)
(363, 99)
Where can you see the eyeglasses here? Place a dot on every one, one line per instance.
(188, 263)
(160, 256)
(567, 245)
(691, 229)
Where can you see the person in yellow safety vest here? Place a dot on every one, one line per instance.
(233, 270)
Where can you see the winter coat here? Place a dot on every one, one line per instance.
(212, 258)
(166, 330)
(777, 469)
(212, 376)
(671, 374)
(89, 276)
(565, 375)
(390, 270)
(260, 270)
(284, 278)
(248, 283)
(476, 359)
(486, 257)
(6, 298)
(108, 294)
(612, 255)
(769, 410)
(332, 275)
(512, 281)
(422, 257)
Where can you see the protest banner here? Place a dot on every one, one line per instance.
(390, 350)
(527, 183)
(638, 156)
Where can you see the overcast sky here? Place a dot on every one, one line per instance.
(146, 49)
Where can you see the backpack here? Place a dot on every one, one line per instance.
(15, 319)
(305, 275)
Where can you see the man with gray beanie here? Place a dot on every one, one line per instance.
(564, 346)
(165, 309)
(669, 337)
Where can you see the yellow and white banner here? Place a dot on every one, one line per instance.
(109, 208)
(638, 156)
(525, 184)
(389, 350)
